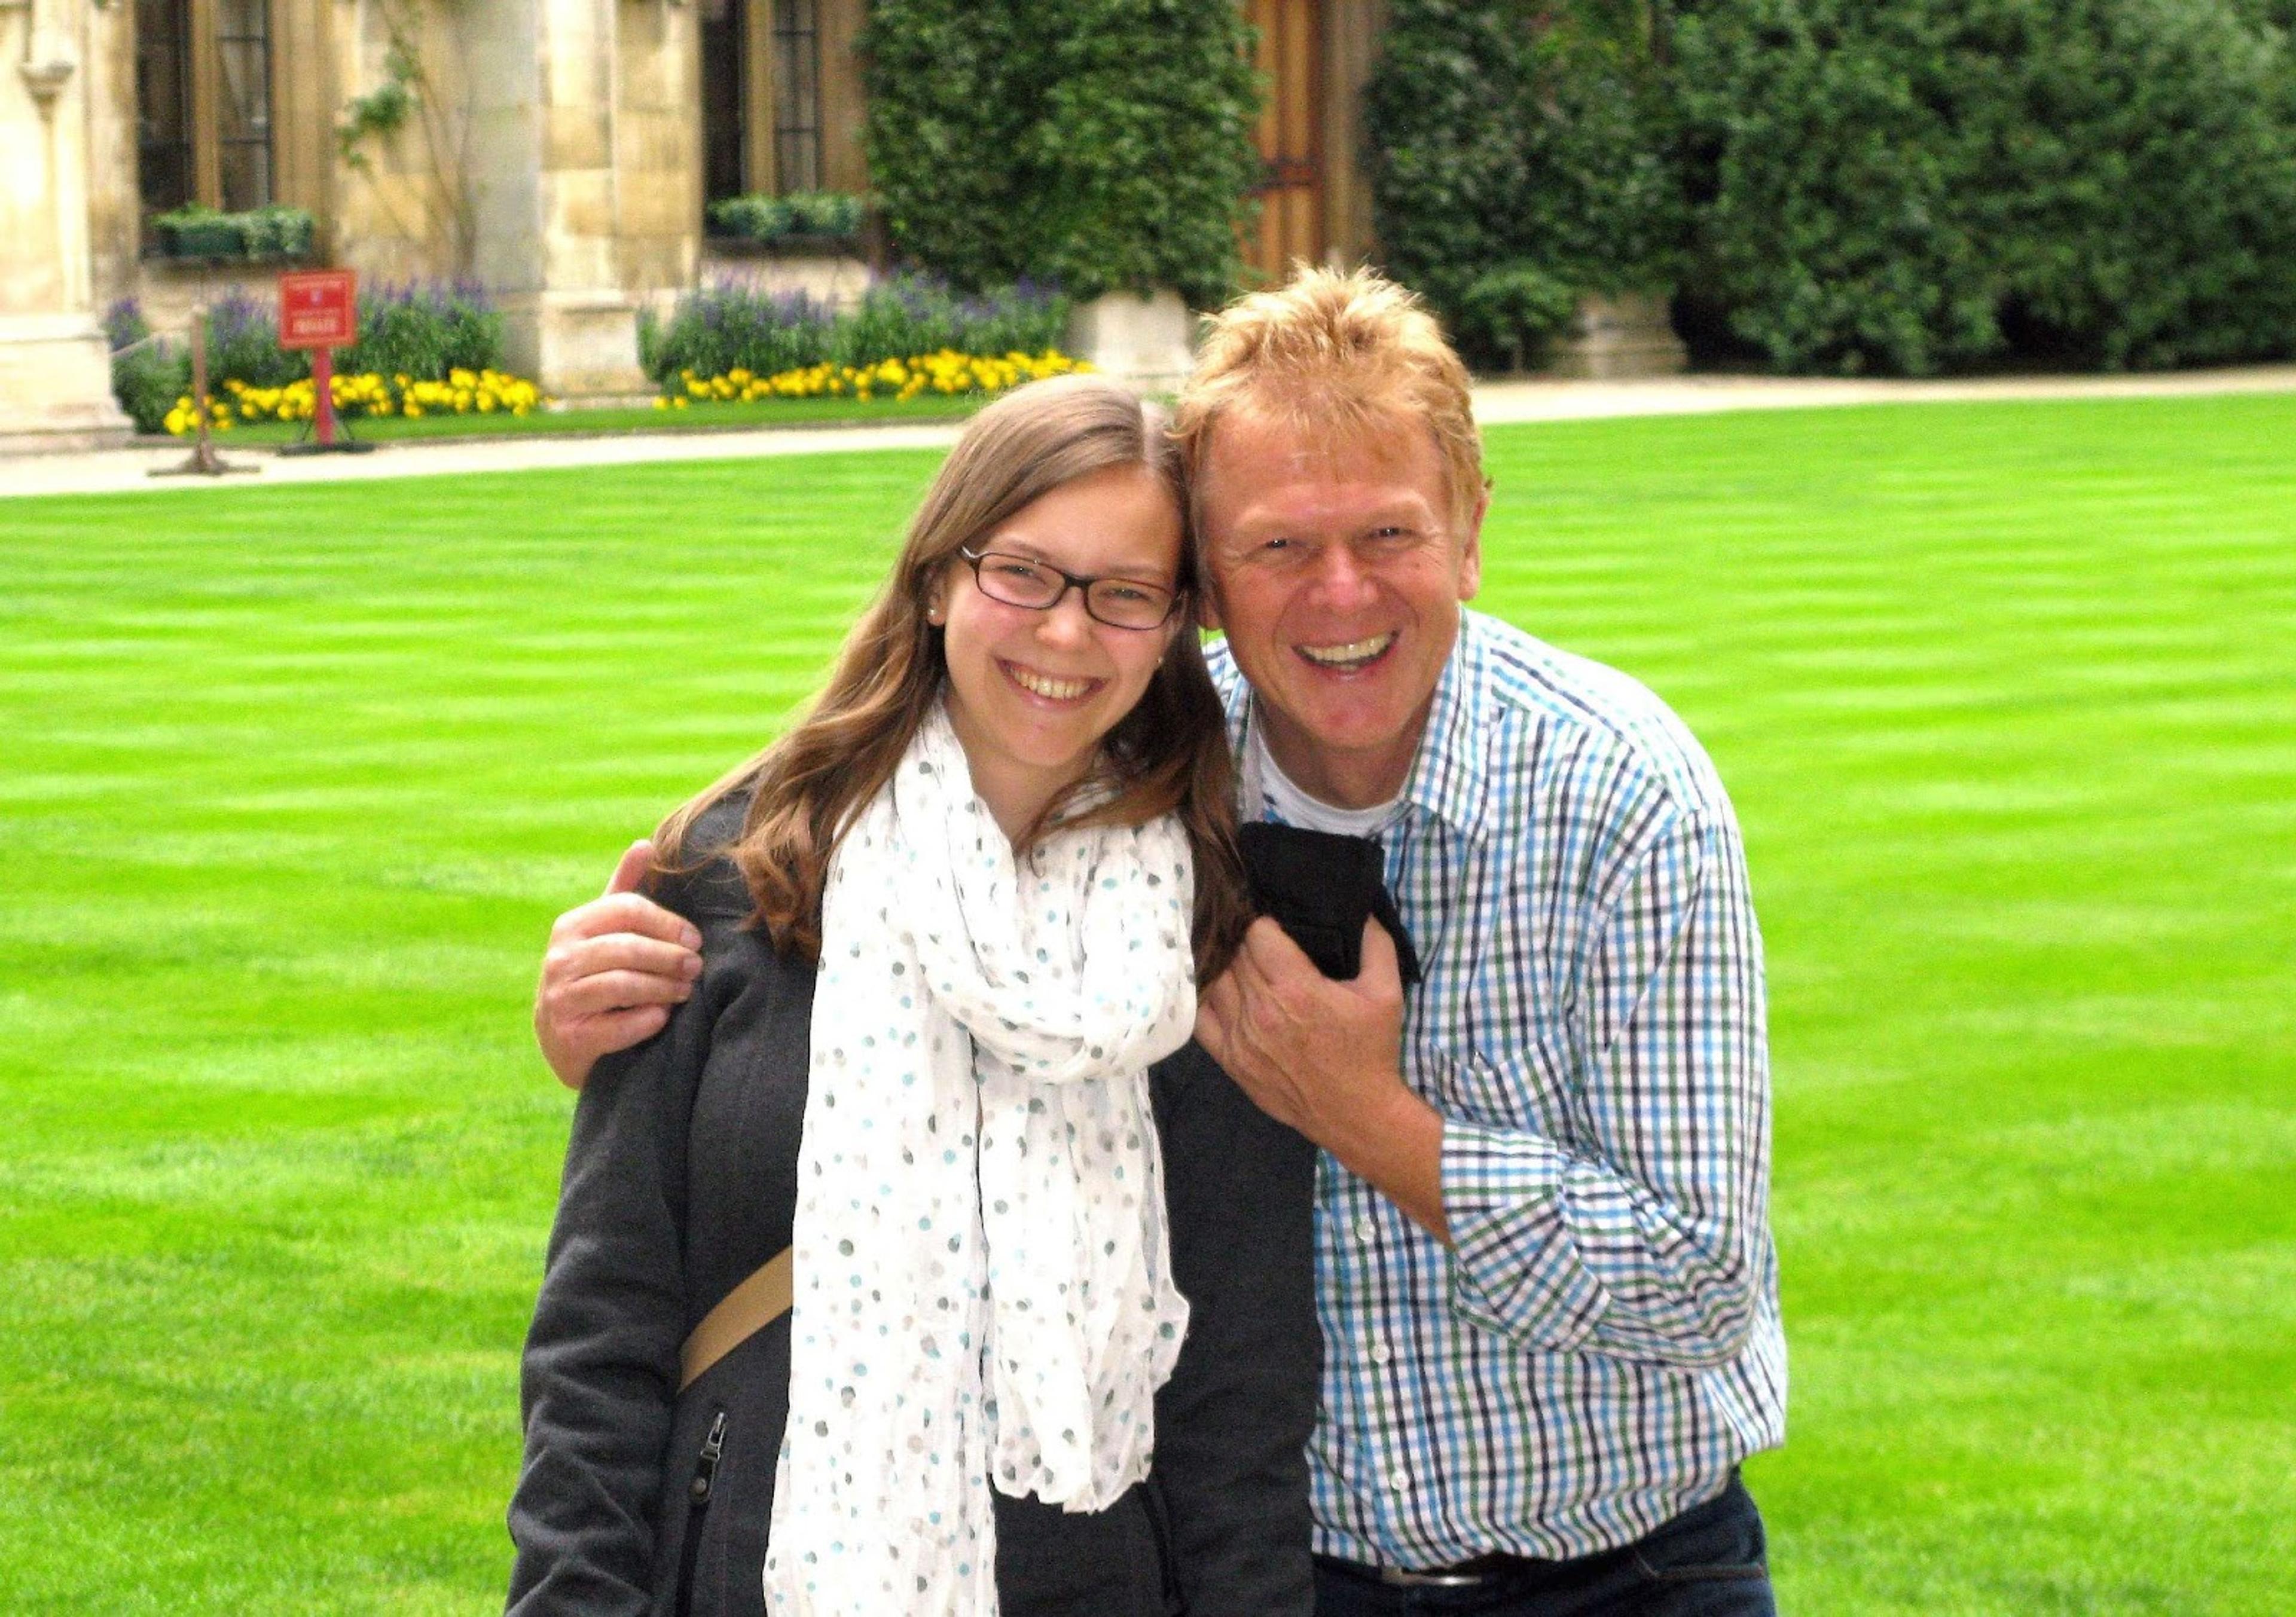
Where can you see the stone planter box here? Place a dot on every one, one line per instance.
(288, 237)
(267, 236)
(1147, 343)
(831, 278)
(1619, 336)
(211, 238)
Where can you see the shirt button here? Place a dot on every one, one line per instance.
(1399, 1480)
(1380, 1352)
(1366, 1231)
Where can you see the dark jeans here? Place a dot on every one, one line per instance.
(1710, 1560)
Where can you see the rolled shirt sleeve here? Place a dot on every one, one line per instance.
(1645, 1239)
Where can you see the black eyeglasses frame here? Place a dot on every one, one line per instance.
(1071, 581)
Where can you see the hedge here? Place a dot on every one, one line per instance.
(1522, 151)
(1939, 184)
(1842, 185)
(1097, 144)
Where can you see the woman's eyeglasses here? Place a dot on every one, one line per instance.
(1021, 581)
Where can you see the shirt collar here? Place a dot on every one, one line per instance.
(1450, 778)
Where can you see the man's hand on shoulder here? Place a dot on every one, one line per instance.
(1325, 1057)
(614, 968)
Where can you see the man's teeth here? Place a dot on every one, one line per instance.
(1059, 690)
(1354, 651)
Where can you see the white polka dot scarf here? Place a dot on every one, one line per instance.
(983, 1282)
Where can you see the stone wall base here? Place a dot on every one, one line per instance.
(55, 385)
(1612, 338)
(838, 283)
(1147, 343)
(574, 345)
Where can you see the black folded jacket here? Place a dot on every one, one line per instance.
(1321, 888)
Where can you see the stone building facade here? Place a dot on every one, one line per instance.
(560, 153)
(54, 383)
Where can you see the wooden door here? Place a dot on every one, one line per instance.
(1290, 137)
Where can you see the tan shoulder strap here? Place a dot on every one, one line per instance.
(748, 1309)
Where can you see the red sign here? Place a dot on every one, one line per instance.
(318, 309)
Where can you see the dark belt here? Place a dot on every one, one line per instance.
(1463, 1574)
(1532, 1573)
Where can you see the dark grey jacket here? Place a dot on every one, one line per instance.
(681, 1179)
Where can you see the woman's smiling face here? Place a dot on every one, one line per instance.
(1031, 693)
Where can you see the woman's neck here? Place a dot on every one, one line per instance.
(1016, 796)
(1016, 789)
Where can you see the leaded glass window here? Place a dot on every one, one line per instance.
(164, 168)
(797, 94)
(725, 88)
(242, 110)
(203, 103)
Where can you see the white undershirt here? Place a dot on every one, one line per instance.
(1269, 793)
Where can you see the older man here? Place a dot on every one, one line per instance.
(1544, 1270)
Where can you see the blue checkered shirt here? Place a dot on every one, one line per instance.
(1603, 1344)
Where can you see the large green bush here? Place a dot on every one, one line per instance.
(1097, 144)
(2158, 187)
(1845, 186)
(1522, 151)
(1936, 183)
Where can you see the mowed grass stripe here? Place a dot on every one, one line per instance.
(298, 775)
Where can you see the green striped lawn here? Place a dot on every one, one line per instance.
(2006, 694)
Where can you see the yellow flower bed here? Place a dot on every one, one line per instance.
(463, 393)
(184, 418)
(947, 373)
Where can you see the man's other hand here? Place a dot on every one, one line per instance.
(1326, 1058)
(614, 968)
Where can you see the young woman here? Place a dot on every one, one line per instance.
(949, 921)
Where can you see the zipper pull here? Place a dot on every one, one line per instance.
(706, 1472)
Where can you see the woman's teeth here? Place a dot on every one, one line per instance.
(1058, 690)
(1351, 654)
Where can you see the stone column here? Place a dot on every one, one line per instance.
(546, 192)
(55, 380)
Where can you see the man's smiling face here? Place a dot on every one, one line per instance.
(1337, 569)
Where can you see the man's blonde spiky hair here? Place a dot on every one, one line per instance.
(1342, 355)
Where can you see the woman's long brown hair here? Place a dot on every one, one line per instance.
(1169, 754)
